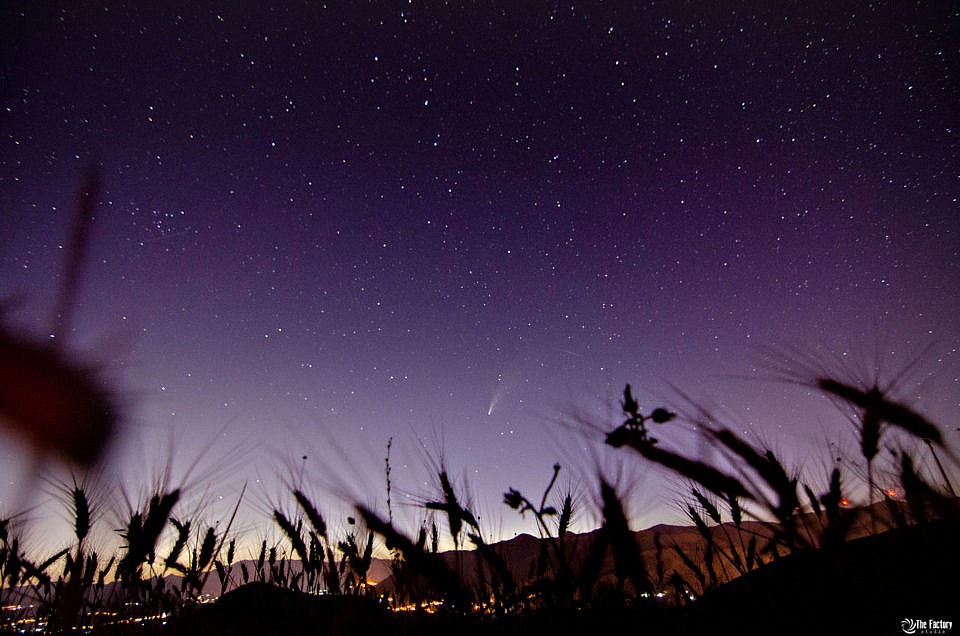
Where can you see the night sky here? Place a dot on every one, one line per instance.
(467, 227)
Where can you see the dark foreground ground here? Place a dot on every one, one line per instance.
(867, 586)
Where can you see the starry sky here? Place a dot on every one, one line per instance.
(465, 226)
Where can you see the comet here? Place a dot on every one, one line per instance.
(497, 395)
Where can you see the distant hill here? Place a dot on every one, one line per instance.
(662, 549)
(522, 552)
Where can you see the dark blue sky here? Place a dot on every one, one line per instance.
(323, 226)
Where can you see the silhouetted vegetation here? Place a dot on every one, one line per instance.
(745, 517)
